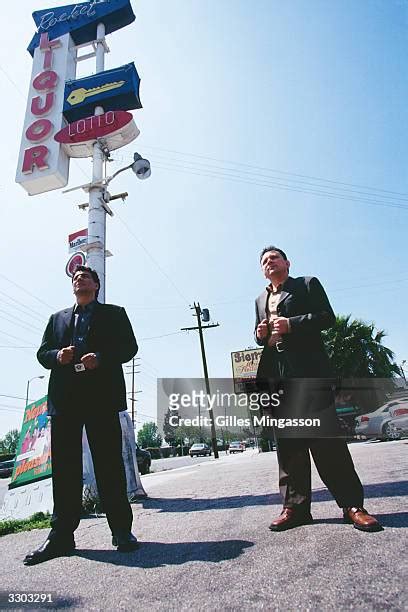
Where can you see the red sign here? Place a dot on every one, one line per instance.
(77, 259)
(93, 127)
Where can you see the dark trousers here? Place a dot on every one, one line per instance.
(105, 441)
(334, 464)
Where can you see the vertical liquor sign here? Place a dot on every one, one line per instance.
(43, 164)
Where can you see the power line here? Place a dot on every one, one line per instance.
(271, 185)
(14, 337)
(209, 168)
(12, 396)
(27, 292)
(162, 336)
(153, 260)
(19, 322)
(266, 169)
(3, 346)
(31, 312)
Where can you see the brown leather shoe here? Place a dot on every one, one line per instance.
(289, 518)
(361, 520)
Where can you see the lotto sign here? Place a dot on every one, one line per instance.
(117, 128)
(43, 165)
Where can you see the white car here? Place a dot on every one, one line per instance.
(200, 449)
(377, 424)
(399, 424)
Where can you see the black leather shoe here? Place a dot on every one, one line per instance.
(49, 550)
(125, 542)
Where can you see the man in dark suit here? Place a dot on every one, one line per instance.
(290, 315)
(84, 347)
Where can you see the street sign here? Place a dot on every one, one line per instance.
(77, 259)
(117, 128)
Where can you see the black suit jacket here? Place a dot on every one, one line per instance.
(304, 302)
(100, 390)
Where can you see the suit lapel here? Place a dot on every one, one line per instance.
(97, 315)
(287, 290)
(66, 317)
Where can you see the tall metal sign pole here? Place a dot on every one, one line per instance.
(97, 214)
(87, 117)
(198, 314)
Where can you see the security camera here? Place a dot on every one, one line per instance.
(141, 167)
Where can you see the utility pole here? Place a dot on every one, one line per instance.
(133, 371)
(199, 314)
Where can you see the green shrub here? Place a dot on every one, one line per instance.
(39, 520)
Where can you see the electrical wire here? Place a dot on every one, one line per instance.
(27, 292)
(266, 169)
(271, 185)
(163, 272)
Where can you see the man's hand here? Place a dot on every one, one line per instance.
(262, 330)
(90, 361)
(65, 355)
(281, 325)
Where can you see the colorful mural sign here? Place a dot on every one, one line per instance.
(33, 459)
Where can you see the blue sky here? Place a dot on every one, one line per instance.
(248, 111)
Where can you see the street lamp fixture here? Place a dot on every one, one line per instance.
(140, 166)
(28, 386)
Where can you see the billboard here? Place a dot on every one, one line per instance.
(33, 459)
(244, 367)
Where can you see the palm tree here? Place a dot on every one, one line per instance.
(356, 350)
(361, 362)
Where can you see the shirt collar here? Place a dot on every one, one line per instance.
(270, 289)
(87, 308)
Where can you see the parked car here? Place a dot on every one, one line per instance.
(200, 449)
(377, 424)
(236, 447)
(6, 468)
(400, 425)
(144, 460)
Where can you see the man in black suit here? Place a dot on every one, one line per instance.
(84, 347)
(290, 315)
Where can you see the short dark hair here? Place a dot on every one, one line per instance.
(93, 273)
(272, 248)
